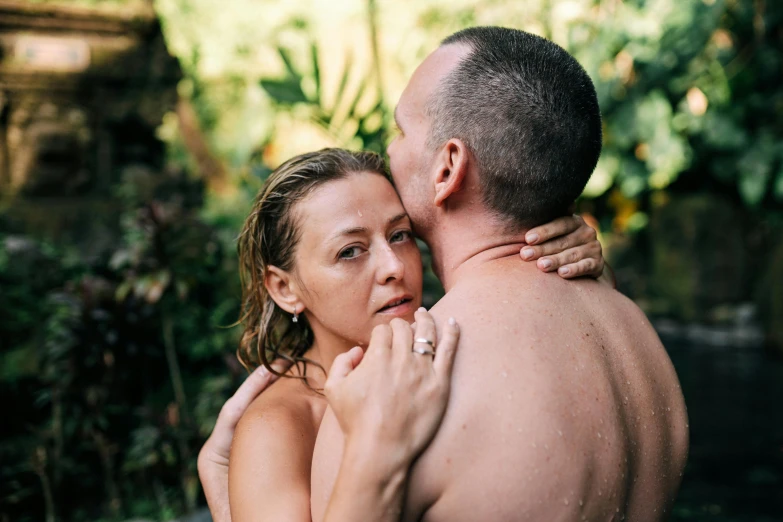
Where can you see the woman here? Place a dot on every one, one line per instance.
(328, 255)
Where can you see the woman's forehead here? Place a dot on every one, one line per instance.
(359, 200)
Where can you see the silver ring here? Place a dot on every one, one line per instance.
(423, 340)
(423, 351)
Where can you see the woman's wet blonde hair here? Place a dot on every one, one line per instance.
(269, 237)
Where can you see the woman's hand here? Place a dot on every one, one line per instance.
(568, 245)
(214, 455)
(389, 408)
(395, 399)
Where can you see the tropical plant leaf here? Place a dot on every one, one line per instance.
(286, 92)
(316, 72)
(289, 65)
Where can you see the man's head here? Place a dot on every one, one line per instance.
(512, 109)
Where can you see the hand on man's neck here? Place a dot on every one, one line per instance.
(459, 244)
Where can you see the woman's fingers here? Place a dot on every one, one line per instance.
(559, 227)
(402, 338)
(581, 236)
(447, 349)
(425, 329)
(568, 245)
(577, 261)
(585, 267)
(345, 363)
(380, 340)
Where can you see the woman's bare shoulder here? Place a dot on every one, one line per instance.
(287, 404)
(272, 452)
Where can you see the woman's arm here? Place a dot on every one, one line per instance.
(269, 469)
(214, 455)
(389, 408)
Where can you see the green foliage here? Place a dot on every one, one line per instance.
(114, 368)
(344, 119)
(106, 363)
(691, 97)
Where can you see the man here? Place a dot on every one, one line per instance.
(564, 403)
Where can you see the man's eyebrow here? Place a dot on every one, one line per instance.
(358, 230)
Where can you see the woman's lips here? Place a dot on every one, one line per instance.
(398, 311)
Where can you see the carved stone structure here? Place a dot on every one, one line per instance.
(82, 91)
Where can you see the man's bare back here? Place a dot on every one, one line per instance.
(564, 406)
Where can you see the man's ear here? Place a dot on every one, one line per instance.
(282, 289)
(452, 170)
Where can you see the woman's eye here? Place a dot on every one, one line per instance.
(350, 253)
(402, 235)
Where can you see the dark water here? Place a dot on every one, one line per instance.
(735, 405)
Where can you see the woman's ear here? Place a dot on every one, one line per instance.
(282, 289)
(452, 170)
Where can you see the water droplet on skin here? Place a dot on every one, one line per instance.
(581, 502)
(565, 501)
(359, 212)
(599, 434)
(627, 382)
(534, 445)
(546, 446)
(560, 433)
(504, 374)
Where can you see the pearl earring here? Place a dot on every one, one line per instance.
(296, 317)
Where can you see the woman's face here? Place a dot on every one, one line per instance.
(357, 261)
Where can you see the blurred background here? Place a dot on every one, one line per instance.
(134, 135)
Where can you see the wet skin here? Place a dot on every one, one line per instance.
(564, 404)
(357, 266)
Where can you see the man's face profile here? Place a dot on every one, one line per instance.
(411, 158)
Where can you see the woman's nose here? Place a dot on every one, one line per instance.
(390, 266)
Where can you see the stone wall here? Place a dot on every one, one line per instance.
(81, 94)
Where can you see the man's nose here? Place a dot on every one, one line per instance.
(390, 266)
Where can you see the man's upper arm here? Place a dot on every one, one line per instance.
(269, 468)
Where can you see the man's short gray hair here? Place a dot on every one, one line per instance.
(528, 112)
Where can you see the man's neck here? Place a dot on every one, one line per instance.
(458, 248)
